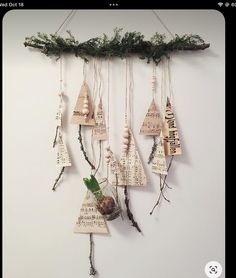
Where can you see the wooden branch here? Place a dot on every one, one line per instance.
(83, 150)
(58, 178)
(162, 187)
(154, 147)
(129, 213)
(92, 268)
(55, 138)
(131, 43)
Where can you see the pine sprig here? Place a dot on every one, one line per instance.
(131, 43)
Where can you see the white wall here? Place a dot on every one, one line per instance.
(181, 237)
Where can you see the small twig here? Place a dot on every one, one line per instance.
(82, 148)
(117, 198)
(55, 138)
(154, 147)
(129, 213)
(100, 157)
(166, 183)
(92, 268)
(162, 187)
(58, 178)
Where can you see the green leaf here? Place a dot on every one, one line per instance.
(92, 184)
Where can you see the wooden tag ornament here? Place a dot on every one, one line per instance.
(131, 169)
(171, 136)
(152, 123)
(83, 113)
(90, 219)
(159, 160)
(63, 159)
(99, 131)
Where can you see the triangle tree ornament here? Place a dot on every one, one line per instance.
(159, 160)
(99, 132)
(172, 145)
(63, 159)
(83, 113)
(171, 136)
(152, 123)
(131, 169)
(90, 222)
(90, 219)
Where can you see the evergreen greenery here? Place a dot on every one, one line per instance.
(131, 43)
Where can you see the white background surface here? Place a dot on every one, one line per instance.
(181, 237)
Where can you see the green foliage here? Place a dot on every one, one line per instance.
(131, 43)
(93, 185)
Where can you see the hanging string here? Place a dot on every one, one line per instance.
(95, 82)
(85, 71)
(108, 111)
(163, 24)
(130, 94)
(169, 79)
(154, 81)
(60, 74)
(66, 19)
(163, 90)
(126, 90)
(93, 97)
(100, 78)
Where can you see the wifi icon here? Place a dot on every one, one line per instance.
(220, 4)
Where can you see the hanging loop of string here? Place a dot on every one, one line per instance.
(163, 24)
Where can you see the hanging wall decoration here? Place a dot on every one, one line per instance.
(99, 130)
(83, 113)
(102, 203)
(159, 160)
(63, 159)
(90, 219)
(171, 136)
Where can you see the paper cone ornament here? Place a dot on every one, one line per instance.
(63, 159)
(100, 131)
(152, 123)
(131, 169)
(159, 160)
(78, 116)
(171, 137)
(90, 219)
